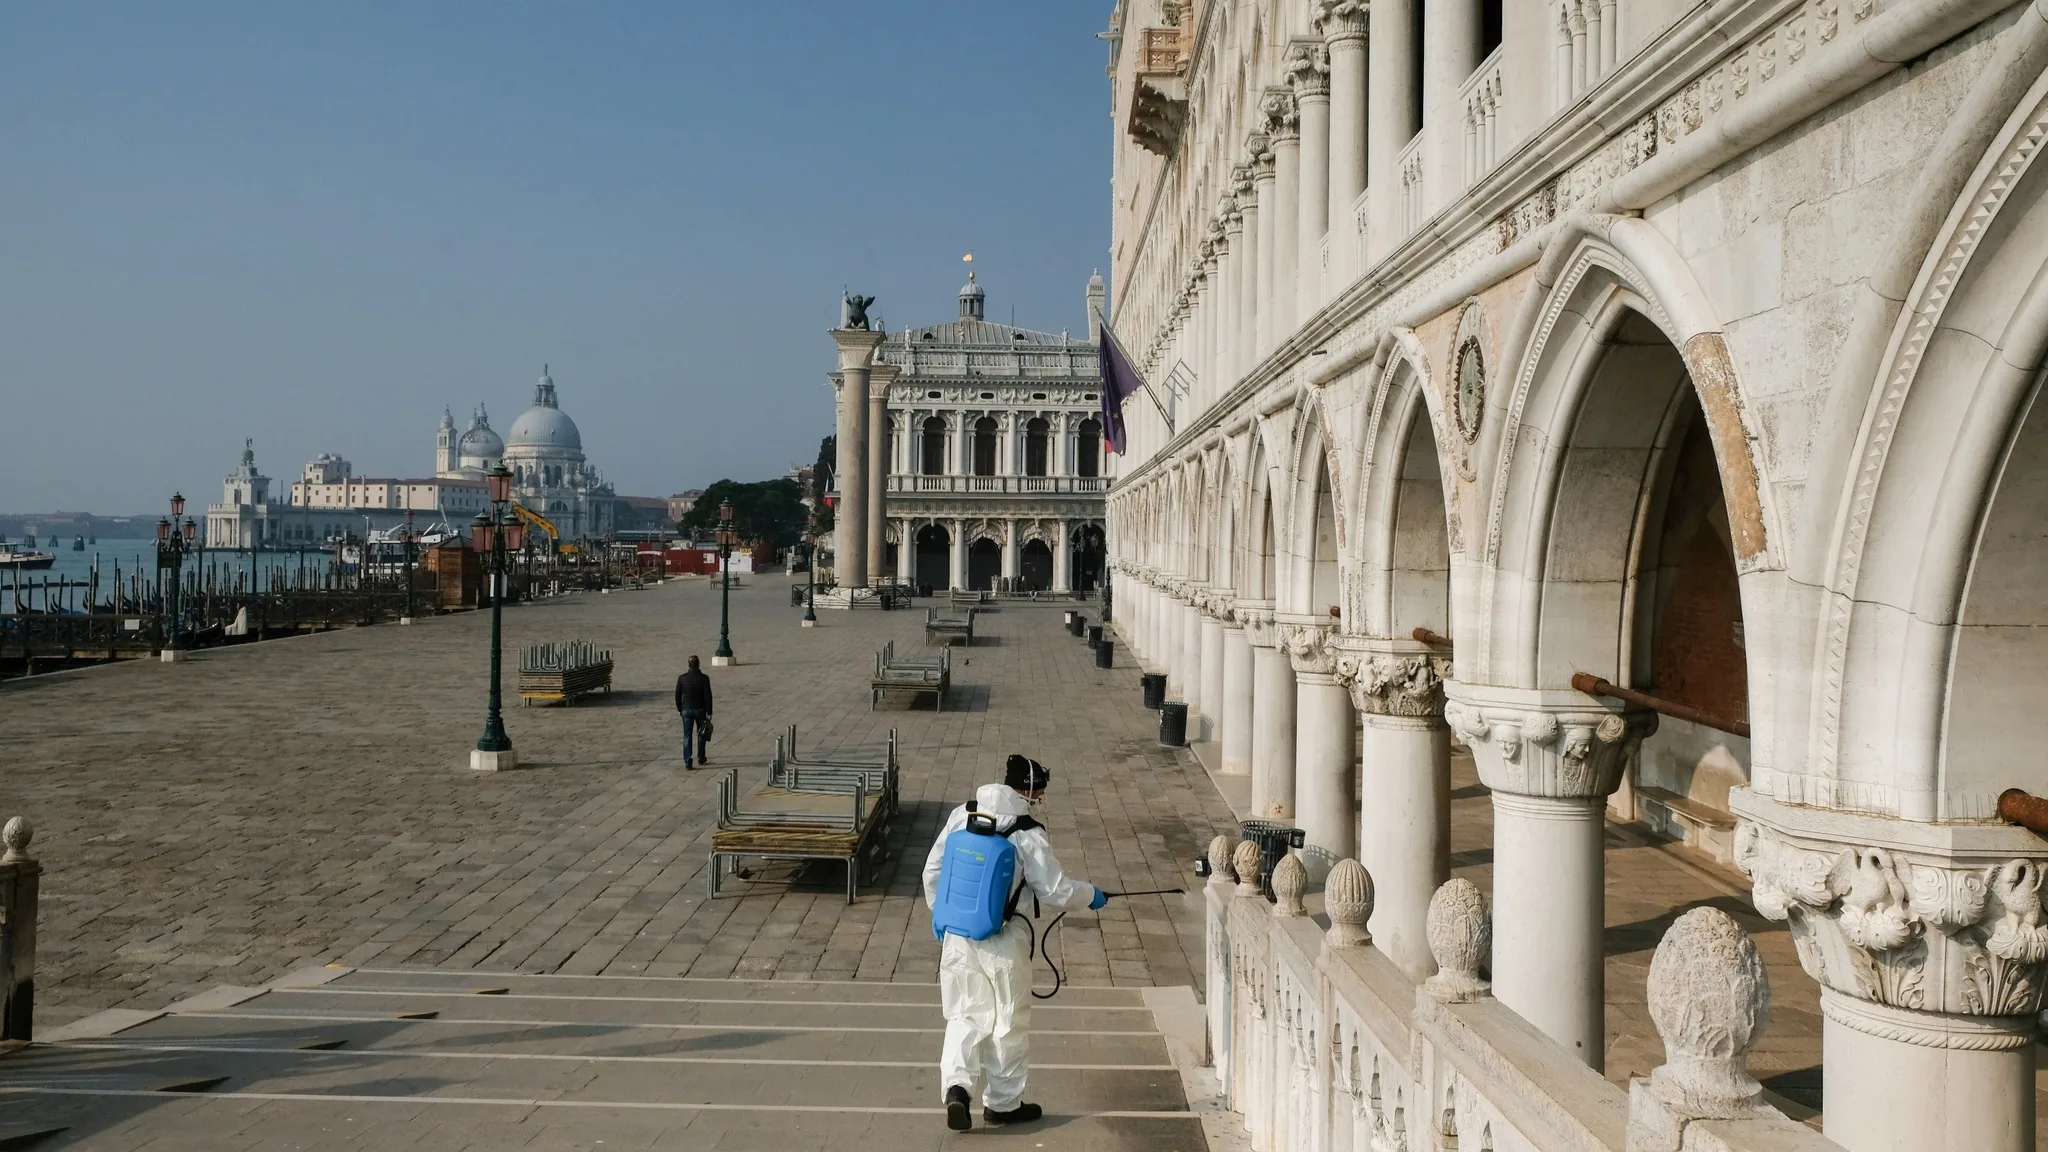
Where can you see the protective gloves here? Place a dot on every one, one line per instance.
(1101, 898)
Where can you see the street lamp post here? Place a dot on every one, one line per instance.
(409, 545)
(723, 656)
(493, 751)
(811, 576)
(173, 541)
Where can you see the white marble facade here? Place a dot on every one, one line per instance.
(1687, 346)
(981, 455)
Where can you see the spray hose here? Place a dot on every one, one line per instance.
(1041, 942)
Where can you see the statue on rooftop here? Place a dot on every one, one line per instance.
(857, 312)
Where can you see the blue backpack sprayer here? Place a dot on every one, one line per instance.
(978, 888)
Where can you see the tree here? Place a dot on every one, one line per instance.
(770, 510)
(821, 479)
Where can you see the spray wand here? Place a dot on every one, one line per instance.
(1042, 942)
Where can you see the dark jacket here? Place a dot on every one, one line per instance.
(693, 692)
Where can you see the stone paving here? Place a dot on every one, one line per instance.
(307, 801)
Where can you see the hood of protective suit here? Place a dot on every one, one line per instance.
(1000, 801)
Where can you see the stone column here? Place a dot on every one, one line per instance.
(1343, 24)
(1061, 558)
(1188, 676)
(1309, 71)
(1236, 709)
(1230, 299)
(850, 520)
(1930, 950)
(906, 551)
(1324, 751)
(1450, 44)
(880, 376)
(1272, 714)
(1551, 758)
(1283, 124)
(1012, 563)
(957, 555)
(1245, 338)
(1404, 829)
(1392, 102)
(1210, 366)
(1265, 193)
(1217, 607)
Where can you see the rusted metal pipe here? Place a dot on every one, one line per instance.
(1593, 685)
(1425, 636)
(2017, 806)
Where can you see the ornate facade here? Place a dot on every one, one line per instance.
(986, 464)
(1685, 349)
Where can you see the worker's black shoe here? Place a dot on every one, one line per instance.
(958, 1109)
(1021, 1114)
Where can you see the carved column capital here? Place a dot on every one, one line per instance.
(1392, 677)
(1308, 69)
(1259, 147)
(1283, 118)
(1240, 187)
(1307, 645)
(1341, 19)
(1920, 917)
(1223, 605)
(1555, 745)
(1256, 618)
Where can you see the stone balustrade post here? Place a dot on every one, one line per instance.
(1404, 832)
(1551, 759)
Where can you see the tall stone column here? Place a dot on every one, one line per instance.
(1550, 758)
(1450, 44)
(1012, 562)
(1929, 945)
(1265, 185)
(1392, 104)
(1209, 367)
(1272, 714)
(1236, 710)
(1283, 124)
(1404, 829)
(1062, 558)
(906, 551)
(880, 376)
(1230, 299)
(1324, 752)
(1343, 24)
(1189, 675)
(956, 554)
(1309, 71)
(1245, 338)
(1216, 607)
(850, 521)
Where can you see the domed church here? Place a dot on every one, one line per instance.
(544, 450)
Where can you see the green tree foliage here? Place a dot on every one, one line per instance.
(771, 510)
(821, 475)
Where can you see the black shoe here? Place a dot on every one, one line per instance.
(957, 1109)
(1021, 1114)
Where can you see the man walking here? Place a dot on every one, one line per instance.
(985, 962)
(693, 701)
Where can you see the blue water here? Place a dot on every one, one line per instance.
(139, 555)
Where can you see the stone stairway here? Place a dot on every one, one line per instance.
(449, 1059)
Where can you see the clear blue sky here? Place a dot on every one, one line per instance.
(318, 224)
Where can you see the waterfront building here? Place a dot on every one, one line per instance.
(475, 452)
(986, 465)
(248, 517)
(1681, 349)
(544, 450)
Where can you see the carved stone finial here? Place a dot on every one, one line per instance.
(16, 836)
(1710, 998)
(1460, 930)
(1289, 879)
(1348, 898)
(1222, 871)
(1246, 861)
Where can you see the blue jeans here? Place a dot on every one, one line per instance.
(695, 731)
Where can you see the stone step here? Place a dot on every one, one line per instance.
(682, 987)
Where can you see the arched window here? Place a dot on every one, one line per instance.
(985, 446)
(932, 454)
(1037, 436)
(1088, 449)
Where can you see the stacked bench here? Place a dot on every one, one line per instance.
(947, 628)
(913, 674)
(832, 806)
(563, 671)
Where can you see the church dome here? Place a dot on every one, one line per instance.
(481, 442)
(545, 425)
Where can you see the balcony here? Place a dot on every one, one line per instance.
(1414, 205)
(1159, 91)
(999, 485)
(1481, 98)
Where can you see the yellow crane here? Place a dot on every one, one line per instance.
(536, 520)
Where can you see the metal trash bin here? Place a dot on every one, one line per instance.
(1067, 621)
(1274, 838)
(1173, 723)
(1105, 654)
(1094, 635)
(1155, 688)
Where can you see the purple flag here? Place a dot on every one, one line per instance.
(1120, 381)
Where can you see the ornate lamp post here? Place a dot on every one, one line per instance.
(410, 546)
(173, 541)
(493, 751)
(723, 656)
(811, 575)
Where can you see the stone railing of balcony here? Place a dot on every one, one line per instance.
(1481, 98)
(1322, 1042)
(20, 878)
(1059, 485)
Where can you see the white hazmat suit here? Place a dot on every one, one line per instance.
(985, 985)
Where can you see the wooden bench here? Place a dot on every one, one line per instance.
(817, 822)
(562, 672)
(915, 676)
(963, 599)
(1701, 825)
(947, 628)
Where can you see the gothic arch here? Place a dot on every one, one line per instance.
(1307, 586)
(1404, 469)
